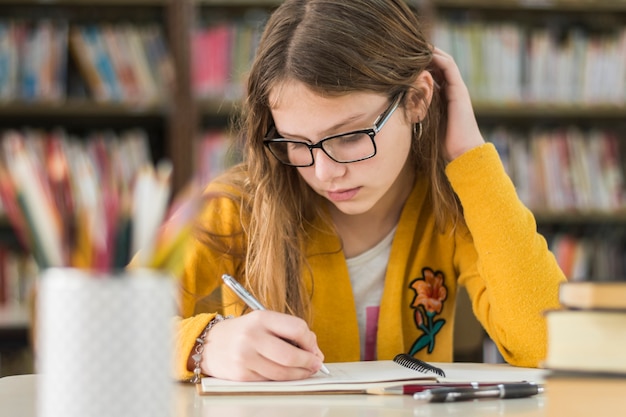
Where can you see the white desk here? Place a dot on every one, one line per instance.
(18, 399)
(18, 395)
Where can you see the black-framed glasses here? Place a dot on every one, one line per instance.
(353, 146)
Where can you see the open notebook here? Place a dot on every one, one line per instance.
(358, 377)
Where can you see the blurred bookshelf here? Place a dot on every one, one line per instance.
(210, 45)
(124, 79)
(16, 353)
(548, 80)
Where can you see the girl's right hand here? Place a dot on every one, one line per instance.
(261, 345)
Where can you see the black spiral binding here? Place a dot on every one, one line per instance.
(417, 364)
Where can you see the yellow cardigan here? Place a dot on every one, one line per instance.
(504, 263)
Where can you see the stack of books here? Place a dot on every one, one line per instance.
(587, 349)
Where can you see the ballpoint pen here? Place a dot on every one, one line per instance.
(410, 389)
(253, 303)
(507, 390)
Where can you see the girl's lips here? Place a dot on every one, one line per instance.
(342, 195)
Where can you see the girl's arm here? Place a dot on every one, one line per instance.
(509, 272)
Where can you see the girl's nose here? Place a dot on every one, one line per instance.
(325, 168)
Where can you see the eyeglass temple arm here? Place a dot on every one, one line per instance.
(380, 122)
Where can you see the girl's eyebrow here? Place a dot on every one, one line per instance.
(328, 132)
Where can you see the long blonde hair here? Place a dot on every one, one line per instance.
(334, 47)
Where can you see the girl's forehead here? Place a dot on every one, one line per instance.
(292, 94)
(283, 93)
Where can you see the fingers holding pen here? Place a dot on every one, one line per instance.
(262, 345)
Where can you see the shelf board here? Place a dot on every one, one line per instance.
(80, 108)
(545, 217)
(565, 111)
(237, 3)
(558, 5)
(219, 106)
(86, 3)
(554, 5)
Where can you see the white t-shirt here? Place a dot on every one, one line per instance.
(367, 275)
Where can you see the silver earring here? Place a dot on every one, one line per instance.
(417, 130)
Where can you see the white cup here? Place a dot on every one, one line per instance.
(104, 343)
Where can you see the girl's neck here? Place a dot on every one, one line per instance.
(361, 232)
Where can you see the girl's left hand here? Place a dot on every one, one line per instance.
(462, 132)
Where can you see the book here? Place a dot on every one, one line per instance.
(210, 72)
(132, 38)
(101, 59)
(121, 61)
(212, 155)
(159, 60)
(83, 57)
(593, 294)
(358, 377)
(586, 340)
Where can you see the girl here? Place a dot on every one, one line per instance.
(365, 198)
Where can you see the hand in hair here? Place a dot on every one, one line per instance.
(261, 345)
(462, 133)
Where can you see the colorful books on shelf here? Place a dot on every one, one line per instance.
(123, 62)
(33, 64)
(93, 203)
(84, 55)
(222, 53)
(516, 62)
(213, 157)
(564, 169)
(18, 274)
(596, 254)
(210, 57)
(118, 62)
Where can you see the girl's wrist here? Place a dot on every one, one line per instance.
(198, 348)
(461, 151)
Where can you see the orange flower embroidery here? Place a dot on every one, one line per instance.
(431, 292)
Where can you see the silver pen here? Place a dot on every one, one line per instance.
(253, 303)
(507, 390)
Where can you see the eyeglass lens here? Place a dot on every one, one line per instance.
(345, 148)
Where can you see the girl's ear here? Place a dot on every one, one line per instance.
(419, 97)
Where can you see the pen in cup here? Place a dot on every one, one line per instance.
(507, 390)
(252, 302)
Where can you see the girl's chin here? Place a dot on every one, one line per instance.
(351, 208)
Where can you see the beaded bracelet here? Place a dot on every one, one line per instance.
(199, 348)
